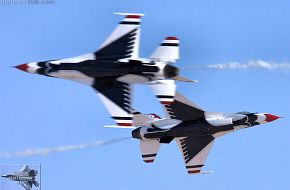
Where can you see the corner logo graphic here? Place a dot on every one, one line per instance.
(28, 176)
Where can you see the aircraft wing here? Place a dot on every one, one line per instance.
(116, 97)
(183, 109)
(26, 184)
(24, 169)
(123, 41)
(194, 151)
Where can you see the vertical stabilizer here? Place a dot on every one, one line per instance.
(167, 51)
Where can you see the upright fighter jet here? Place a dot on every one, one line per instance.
(116, 65)
(193, 129)
(25, 177)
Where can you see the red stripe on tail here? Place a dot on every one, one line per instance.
(194, 172)
(124, 124)
(166, 102)
(148, 161)
(133, 16)
(171, 38)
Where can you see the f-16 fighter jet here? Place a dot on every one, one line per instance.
(25, 177)
(116, 65)
(193, 129)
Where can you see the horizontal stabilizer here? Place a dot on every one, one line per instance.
(167, 51)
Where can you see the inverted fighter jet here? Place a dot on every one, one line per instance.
(116, 65)
(193, 129)
(25, 177)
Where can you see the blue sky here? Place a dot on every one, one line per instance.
(39, 112)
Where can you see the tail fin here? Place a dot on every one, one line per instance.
(164, 90)
(167, 51)
(149, 150)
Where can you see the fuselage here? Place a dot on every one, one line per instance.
(201, 128)
(137, 70)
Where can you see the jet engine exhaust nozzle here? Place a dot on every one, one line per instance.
(170, 71)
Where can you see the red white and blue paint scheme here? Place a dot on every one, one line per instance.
(115, 66)
(193, 129)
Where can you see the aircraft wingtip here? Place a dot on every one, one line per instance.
(128, 14)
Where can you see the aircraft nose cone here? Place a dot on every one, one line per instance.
(4, 176)
(270, 117)
(22, 67)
